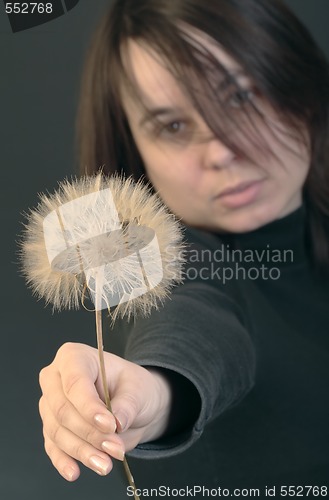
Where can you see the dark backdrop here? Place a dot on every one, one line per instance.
(40, 70)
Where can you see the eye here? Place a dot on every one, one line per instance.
(175, 130)
(173, 127)
(178, 130)
(241, 97)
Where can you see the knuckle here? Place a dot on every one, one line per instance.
(70, 383)
(43, 376)
(50, 449)
(41, 407)
(52, 452)
(73, 391)
(79, 452)
(50, 431)
(90, 435)
(67, 350)
(60, 411)
(87, 410)
(48, 445)
(132, 404)
(53, 433)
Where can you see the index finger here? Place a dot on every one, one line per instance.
(76, 372)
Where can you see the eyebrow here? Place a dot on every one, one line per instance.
(154, 113)
(232, 78)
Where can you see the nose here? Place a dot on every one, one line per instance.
(217, 155)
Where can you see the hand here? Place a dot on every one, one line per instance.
(76, 423)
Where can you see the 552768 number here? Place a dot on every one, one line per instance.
(29, 8)
(304, 491)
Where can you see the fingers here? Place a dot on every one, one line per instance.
(77, 425)
(70, 382)
(61, 444)
(66, 414)
(79, 372)
(67, 446)
(65, 465)
(71, 430)
(71, 420)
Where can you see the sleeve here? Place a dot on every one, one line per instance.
(198, 334)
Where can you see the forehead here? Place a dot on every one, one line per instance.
(153, 80)
(150, 78)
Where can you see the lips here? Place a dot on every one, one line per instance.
(237, 189)
(240, 195)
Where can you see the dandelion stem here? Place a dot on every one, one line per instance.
(99, 333)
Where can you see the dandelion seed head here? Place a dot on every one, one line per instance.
(111, 234)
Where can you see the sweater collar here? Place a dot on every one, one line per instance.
(285, 236)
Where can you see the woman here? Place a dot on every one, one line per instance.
(223, 106)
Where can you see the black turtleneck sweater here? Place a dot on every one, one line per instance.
(251, 358)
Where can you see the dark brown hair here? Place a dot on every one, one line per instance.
(263, 36)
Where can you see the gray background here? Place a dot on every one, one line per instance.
(39, 82)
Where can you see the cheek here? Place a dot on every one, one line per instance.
(177, 183)
(297, 168)
(293, 154)
(175, 171)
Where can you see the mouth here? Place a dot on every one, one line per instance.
(240, 194)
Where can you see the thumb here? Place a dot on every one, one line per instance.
(125, 408)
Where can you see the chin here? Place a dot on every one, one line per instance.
(247, 221)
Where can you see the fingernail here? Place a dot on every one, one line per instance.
(113, 449)
(122, 420)
(105, 422)
(69, 473)
(99, 465)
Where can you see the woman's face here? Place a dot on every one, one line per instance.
(202, 181)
